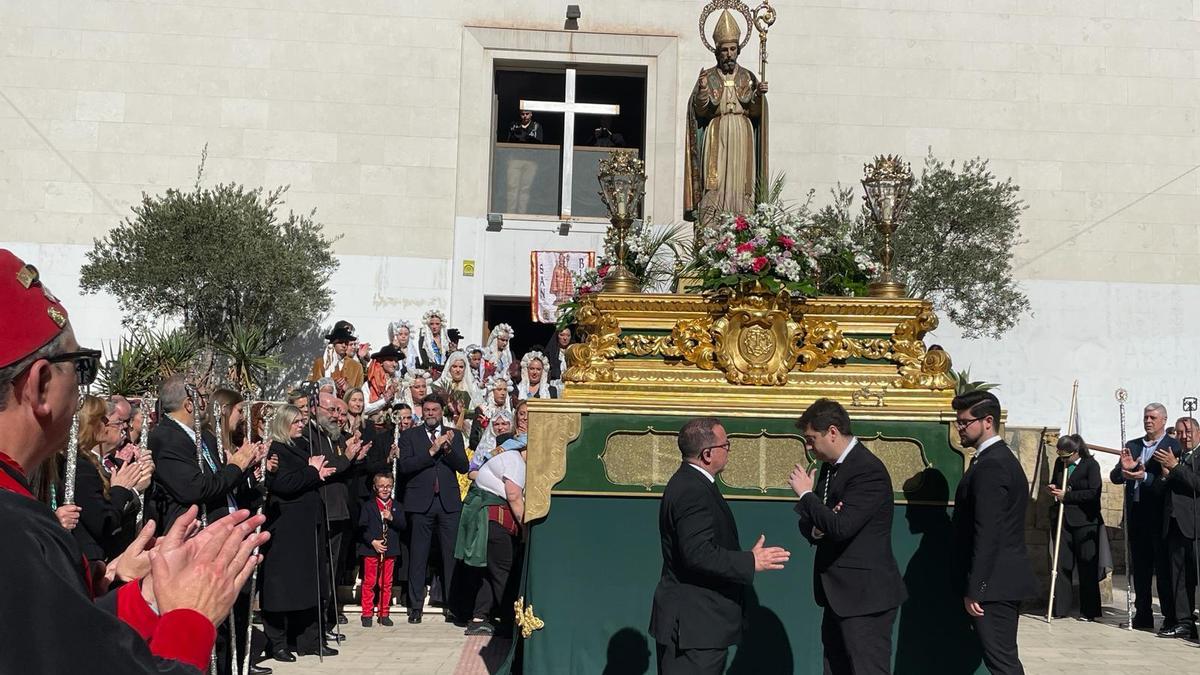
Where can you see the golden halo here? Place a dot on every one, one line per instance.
(737, 6)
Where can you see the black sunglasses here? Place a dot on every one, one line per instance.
(87, 364)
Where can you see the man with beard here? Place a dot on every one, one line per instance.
(431, 457)
(324, 438)
(722, 163)
(337, 361)
(991, 562)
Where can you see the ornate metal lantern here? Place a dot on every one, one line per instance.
(622, 184)
(886, 183)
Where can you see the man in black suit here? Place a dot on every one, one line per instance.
(431, 457)
(848, 517)
(184, 476)
(697, 612)
(1144, 493)
(1181, 478)
(991, 564)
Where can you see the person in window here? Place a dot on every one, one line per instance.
(604, 137)
(526, 130)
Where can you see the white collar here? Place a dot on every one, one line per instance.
(709, 476)
(987, 444)
(190, 431)
(850, 446)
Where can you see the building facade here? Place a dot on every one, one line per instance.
(389, 117)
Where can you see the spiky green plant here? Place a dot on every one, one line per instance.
(963, 383)
(250, 358)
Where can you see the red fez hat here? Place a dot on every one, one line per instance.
(30, 314)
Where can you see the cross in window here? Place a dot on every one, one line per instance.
(569, 109)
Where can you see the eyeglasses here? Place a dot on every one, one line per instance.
(87, 364)
(963, 424)
(714, 447)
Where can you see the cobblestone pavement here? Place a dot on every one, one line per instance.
(1065, 647)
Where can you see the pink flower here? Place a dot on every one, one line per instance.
(740, 224)
(745, 248)
(786, 242)
(758, 264)
(723, 245)
(603, 271)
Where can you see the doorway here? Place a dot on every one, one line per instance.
(515, 312)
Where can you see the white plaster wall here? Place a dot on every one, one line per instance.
(367, 108)
(1106, 335)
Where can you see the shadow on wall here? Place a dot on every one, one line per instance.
(934, 633)
(765, 647)
(296, 360)
(628, 653)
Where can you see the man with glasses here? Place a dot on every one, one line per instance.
(699, 601)
(991, 563)
(847, 514)
(161, 626)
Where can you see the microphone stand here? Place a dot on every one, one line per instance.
(312, 403)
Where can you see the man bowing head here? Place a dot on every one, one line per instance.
(846, 512)
(697, 611)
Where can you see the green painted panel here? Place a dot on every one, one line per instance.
(585, 469)
(594, 563)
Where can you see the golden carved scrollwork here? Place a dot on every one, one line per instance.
(754, 338)
(757, 340)
(525, 619)
(592, 359)
(549, 435)
(823, 342)
(692, 340)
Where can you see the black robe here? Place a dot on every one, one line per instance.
(107, 525)
(47, 617)
(288, 576)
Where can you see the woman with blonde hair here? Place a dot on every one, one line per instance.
(289, 600)
(108, 492)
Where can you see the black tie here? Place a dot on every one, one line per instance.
(437, 487)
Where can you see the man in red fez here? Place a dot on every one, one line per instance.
(162, 619)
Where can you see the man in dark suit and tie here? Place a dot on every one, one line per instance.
(1144, 498)
(990, 560)
(848, 517)
(697, 612)
(431, 457)
(1181, 480)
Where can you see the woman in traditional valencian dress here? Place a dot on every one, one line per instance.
(433, 342)
(535, 382)
(400, 335)
(498, 354)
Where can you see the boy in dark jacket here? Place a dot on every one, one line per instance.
(380, 523)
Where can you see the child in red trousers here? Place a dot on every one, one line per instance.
(380, 526)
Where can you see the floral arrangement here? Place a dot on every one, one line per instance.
(783, 248)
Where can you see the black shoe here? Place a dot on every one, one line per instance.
(1089, 619)
(331, 636)
(480, 628)
(283, 655)
(260, 670)
(386, 621)
(342, 619)
(414, 617)
(366, 621)
(1178, 631)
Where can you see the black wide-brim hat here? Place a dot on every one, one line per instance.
(343, 331)
(388, 353)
